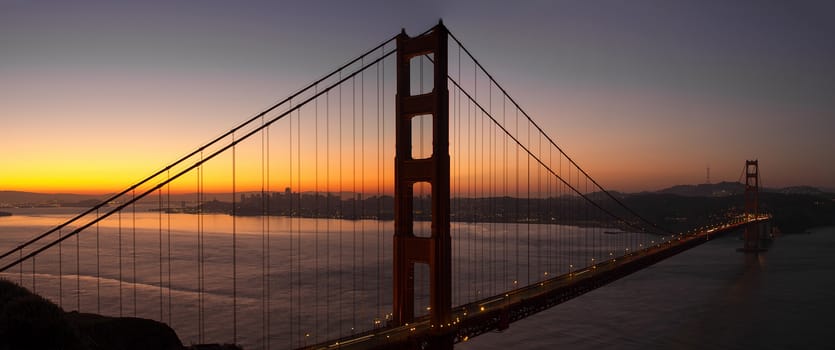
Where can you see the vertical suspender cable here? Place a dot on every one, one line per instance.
(120, 262)
(580, 258)
(552, 256)
(383, 173)
(528, 207)
(315, 213)
(379, 203)
(98, 267)
(60, 273)
(518, 199)
(470, 199)
(382, 143)
(315, 332)
(561, 234)
(586, 234)
(380, 175)
(539, 215)
(493, 199)
(572, 227)
(264, 219)
(478, 163)
(203, 289)
(77, 274)
(168, 251)
(456, 183)
(484, 237)
(198, 208)
(199, 254)
(354, 194)
(327, 215)
(161, 266)
(268, 218)
(299, 222)
(133, 252)
(290, 222)
(340, 292)
(506, 192)
(362, 177)
(234, 247)
(479, 249)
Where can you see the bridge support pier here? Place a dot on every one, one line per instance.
(409, 249)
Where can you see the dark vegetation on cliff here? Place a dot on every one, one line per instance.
(28, 321)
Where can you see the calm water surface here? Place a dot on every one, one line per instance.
(325, 278)
(708, 297)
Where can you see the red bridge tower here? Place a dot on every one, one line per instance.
(752, 209)
(409, 249)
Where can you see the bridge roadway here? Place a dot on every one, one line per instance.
(496, 313)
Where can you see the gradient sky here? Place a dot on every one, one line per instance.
(643, 94)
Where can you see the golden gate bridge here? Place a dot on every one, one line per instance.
(403, 200)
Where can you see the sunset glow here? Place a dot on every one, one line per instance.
(94, 98)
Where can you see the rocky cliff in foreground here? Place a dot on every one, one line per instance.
(29, 321)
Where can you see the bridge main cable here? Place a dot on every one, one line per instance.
(542, 163)
(190, 168)
(202, 148)
(550, 140)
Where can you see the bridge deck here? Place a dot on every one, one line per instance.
(497, 312)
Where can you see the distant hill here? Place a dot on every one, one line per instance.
(721, 189)
(18, 197)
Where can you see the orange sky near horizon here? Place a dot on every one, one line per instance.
(79, 178)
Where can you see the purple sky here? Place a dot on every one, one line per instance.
(643, 94)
